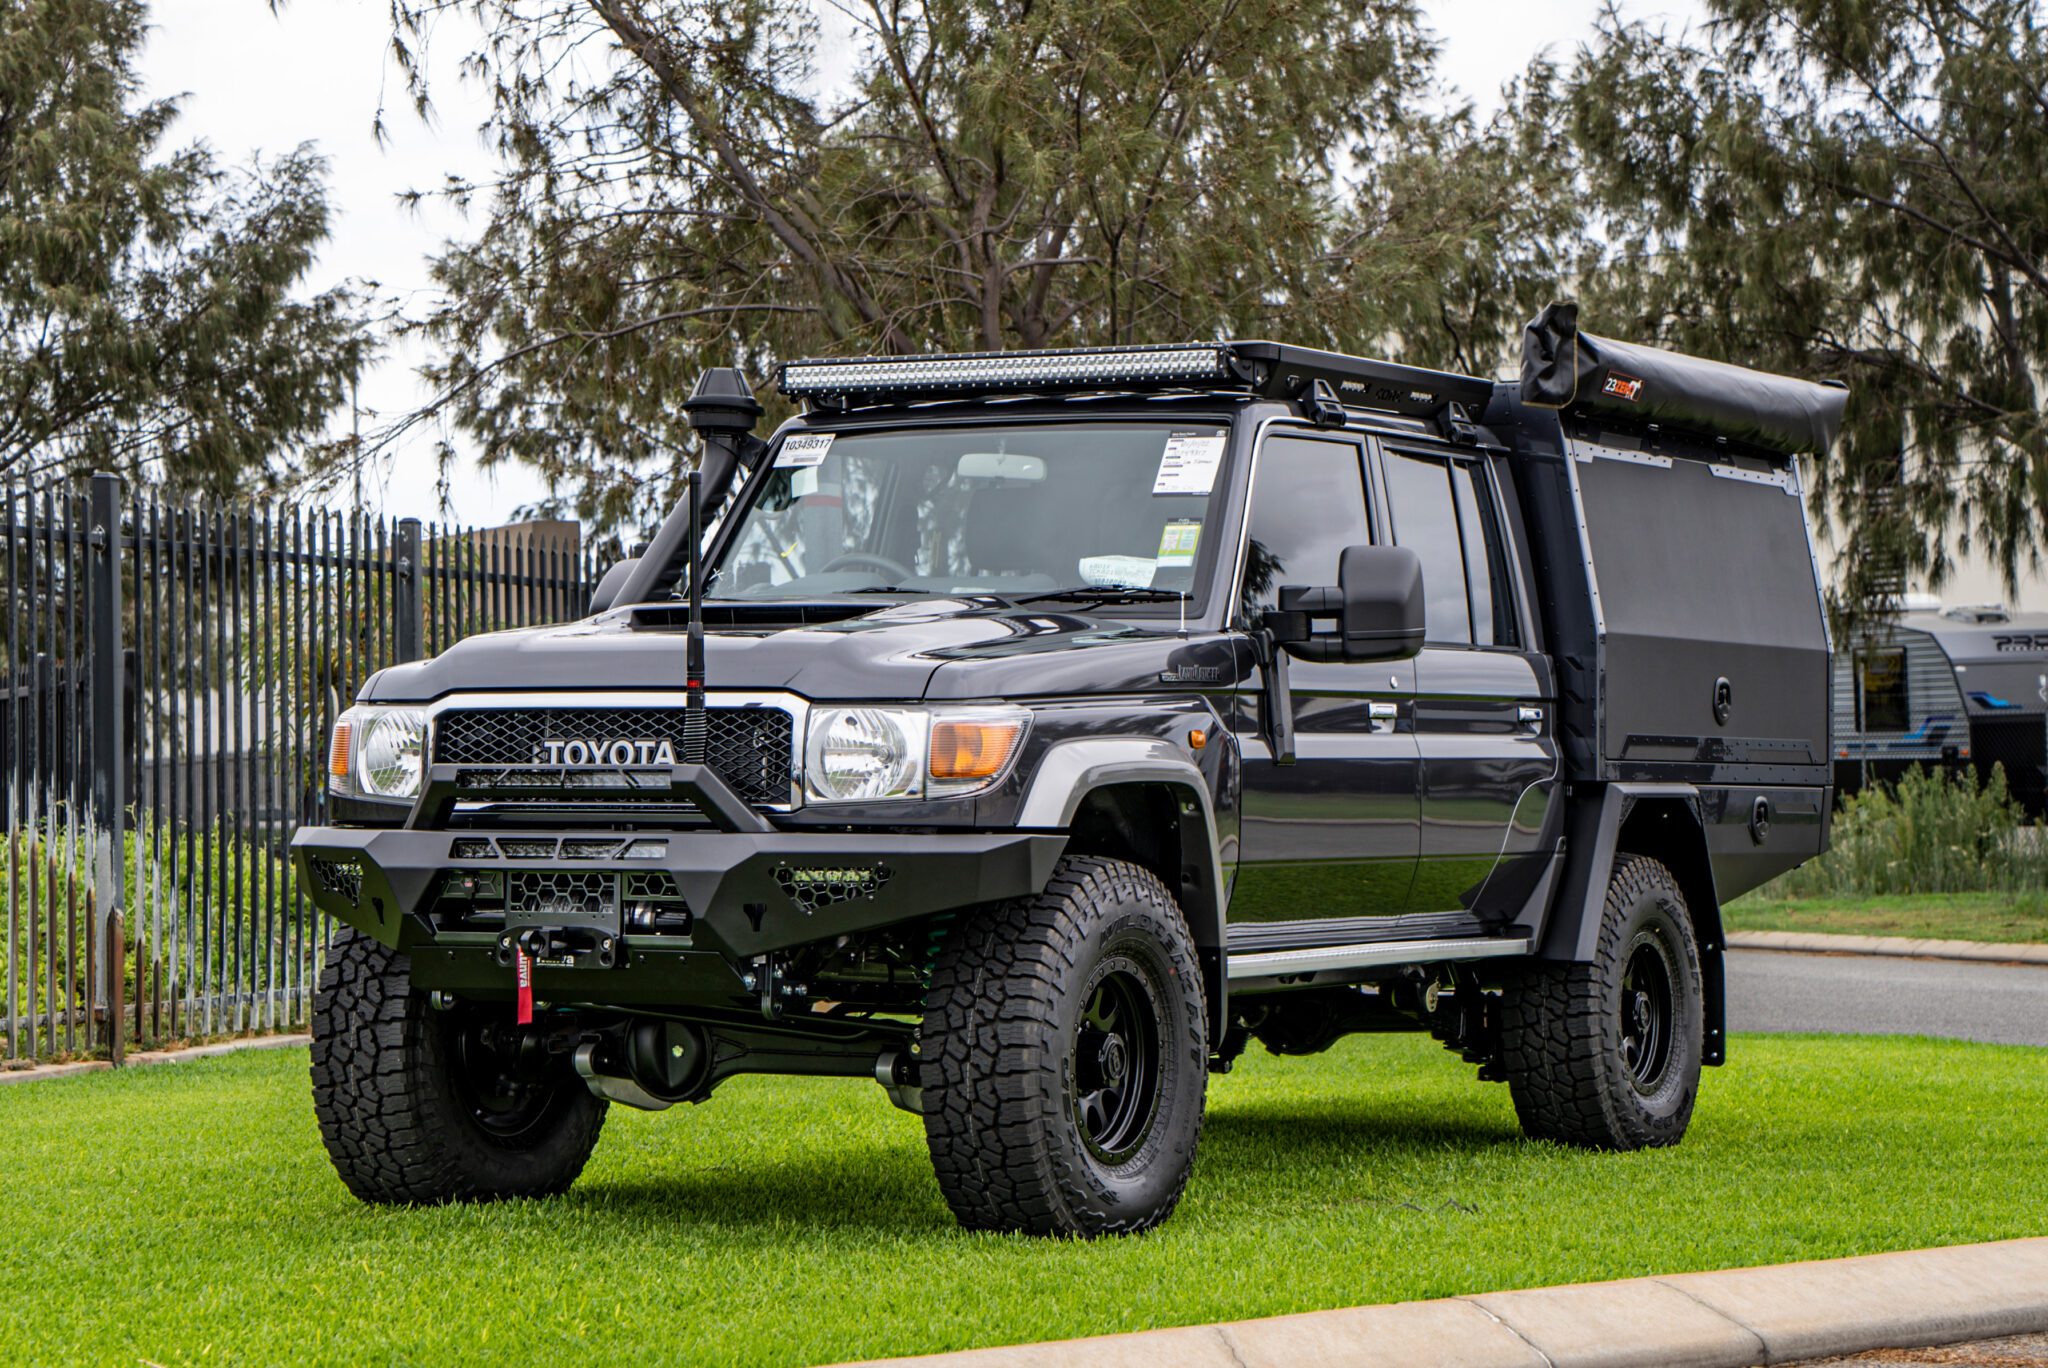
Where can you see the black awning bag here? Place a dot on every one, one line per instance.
(1598, 378)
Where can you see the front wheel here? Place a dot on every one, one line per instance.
(1064, 1057)
(1606, 1055)
(419, 1104)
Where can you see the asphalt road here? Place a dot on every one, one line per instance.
(1769, 990)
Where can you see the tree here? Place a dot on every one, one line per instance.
(1847, 189)
(999, 173)
(147, 322)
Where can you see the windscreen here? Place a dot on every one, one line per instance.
(1010, 510)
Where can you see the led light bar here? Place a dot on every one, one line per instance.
(1192, 365)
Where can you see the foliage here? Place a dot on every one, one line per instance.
(677, 193)
(795, 1220)
(1929, 833)
(204, 908)
(1848, 189)
(147, 312)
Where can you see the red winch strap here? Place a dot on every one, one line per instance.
(522, 969)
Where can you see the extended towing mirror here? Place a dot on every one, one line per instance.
(1375, 611)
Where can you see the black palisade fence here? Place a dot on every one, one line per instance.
(171, 674)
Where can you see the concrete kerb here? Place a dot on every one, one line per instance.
(143, 1058)
(1733, 1318)
(1898, 947)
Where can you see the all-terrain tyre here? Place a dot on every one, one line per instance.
(419, 1104)
(1064, 1056)
(1606, 1055)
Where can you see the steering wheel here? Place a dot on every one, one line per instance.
(896, 573)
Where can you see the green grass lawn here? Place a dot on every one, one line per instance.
(186, 1214)
(2012, 917)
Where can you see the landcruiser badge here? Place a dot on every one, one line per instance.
(592, 752)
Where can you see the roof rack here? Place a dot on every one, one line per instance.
(1270, 370)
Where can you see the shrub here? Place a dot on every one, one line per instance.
(1929, 833)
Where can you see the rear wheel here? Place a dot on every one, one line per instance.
(1064, 1057)
(1606, 1055)
(423, 1105)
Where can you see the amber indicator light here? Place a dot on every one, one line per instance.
(971, 750)
(337, 754)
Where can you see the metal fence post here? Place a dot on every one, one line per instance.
(410, 592)
(109, 748)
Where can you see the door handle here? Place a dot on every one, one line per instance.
(1382, 715)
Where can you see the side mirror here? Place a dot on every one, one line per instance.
(613, 580)
(1375, 611)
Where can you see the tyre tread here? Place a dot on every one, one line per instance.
(989, 1047)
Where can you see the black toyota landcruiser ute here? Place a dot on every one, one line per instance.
(1032, 731)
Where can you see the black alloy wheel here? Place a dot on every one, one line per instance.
(1116, 1060)
(502, 1075)
(1646, 1005)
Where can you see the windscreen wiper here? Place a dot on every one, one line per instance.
(1107, 593)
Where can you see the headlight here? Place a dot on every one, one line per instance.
(856, 755)
(378, 752)
(864, 755)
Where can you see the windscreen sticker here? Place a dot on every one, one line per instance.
(802, 450)
(803, 482)
(1177, 541)
(1117, 572)
(1188, 465)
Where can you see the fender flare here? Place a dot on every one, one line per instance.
(1592, 839)
(1069, 771)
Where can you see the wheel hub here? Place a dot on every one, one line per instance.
(1112, 1058)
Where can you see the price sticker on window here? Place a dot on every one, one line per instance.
(803, 450)
(1188, 465)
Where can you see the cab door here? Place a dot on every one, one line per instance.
(1483, 703)
(1335, 834)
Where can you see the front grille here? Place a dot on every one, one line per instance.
(570, 894)
(750, 748)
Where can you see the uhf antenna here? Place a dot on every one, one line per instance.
(693, 650)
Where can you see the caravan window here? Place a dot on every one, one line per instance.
(1881, 691)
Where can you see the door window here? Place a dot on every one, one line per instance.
(1308, 504)
(1426, 521)
(1444, 512)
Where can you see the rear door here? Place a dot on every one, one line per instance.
(1482, 718)
(1334, 835)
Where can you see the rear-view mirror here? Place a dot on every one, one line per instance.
(1375, 611)
(1001, 467)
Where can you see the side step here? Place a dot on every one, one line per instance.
(1268, 964)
